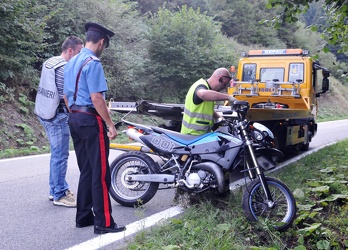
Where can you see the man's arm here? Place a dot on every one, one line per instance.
(212, 95)
(100, 105)
(66, 102)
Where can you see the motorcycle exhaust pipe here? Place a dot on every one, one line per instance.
(215, 170)
(134, 135)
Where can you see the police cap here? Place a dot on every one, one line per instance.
(96, 27)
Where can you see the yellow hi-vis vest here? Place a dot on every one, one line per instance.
(197, 119)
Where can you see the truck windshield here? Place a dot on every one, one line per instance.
(272, 74)
(296, 72)
(249, 72)
(269, 74)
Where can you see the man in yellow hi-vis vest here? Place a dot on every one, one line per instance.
(199, 113)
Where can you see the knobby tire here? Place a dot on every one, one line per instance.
(254, 203)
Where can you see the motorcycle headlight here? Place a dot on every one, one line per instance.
(264, 129)
(265, 133)
(258, 136)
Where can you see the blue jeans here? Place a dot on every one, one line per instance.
(58, 133)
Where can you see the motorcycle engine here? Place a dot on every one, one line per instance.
(195, 179)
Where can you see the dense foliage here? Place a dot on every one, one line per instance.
(158, 45)
(335, 28)
(21, 39)
(184, 45)
(329, 17)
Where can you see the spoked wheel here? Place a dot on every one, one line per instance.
(125, 191)
(281, 214)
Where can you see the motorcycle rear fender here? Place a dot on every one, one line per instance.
(216, 170)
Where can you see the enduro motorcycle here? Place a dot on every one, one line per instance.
(198, 163)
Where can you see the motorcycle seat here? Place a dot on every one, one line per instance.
(179, 137)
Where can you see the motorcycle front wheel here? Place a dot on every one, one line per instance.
(255, 205)
(127, 192)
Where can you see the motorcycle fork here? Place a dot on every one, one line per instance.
(257, 168)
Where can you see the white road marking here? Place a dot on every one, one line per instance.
(106, 239)
(22, 157)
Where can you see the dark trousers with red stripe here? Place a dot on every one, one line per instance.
(91, 144)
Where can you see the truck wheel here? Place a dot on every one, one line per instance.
(305, 147)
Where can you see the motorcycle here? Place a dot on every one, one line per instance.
(198, 163)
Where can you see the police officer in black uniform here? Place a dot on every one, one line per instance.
(91, 129)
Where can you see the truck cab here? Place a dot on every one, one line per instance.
(282, 87)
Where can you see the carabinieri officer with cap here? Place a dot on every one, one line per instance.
(91, 129)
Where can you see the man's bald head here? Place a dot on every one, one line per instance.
(219, 79)
(221, 72)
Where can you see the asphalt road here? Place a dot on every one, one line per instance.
(28, 220)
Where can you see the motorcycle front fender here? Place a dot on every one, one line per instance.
(269, 152)
(268, 157)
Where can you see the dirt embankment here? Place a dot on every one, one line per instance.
(19, 127)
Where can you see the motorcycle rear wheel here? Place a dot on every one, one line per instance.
(132, 193)
(254, 203)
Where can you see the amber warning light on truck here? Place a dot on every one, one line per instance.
(233, 74)
(276, 52)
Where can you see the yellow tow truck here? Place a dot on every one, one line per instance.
(281, 86)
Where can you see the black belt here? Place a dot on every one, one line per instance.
(62, 110)
(61, 106)
(83, 109)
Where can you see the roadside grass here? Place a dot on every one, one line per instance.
(319, 183)
(16, 152)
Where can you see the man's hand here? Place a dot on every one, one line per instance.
(232, 99)
(112, 132)
(220, 119)
(100, 105)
